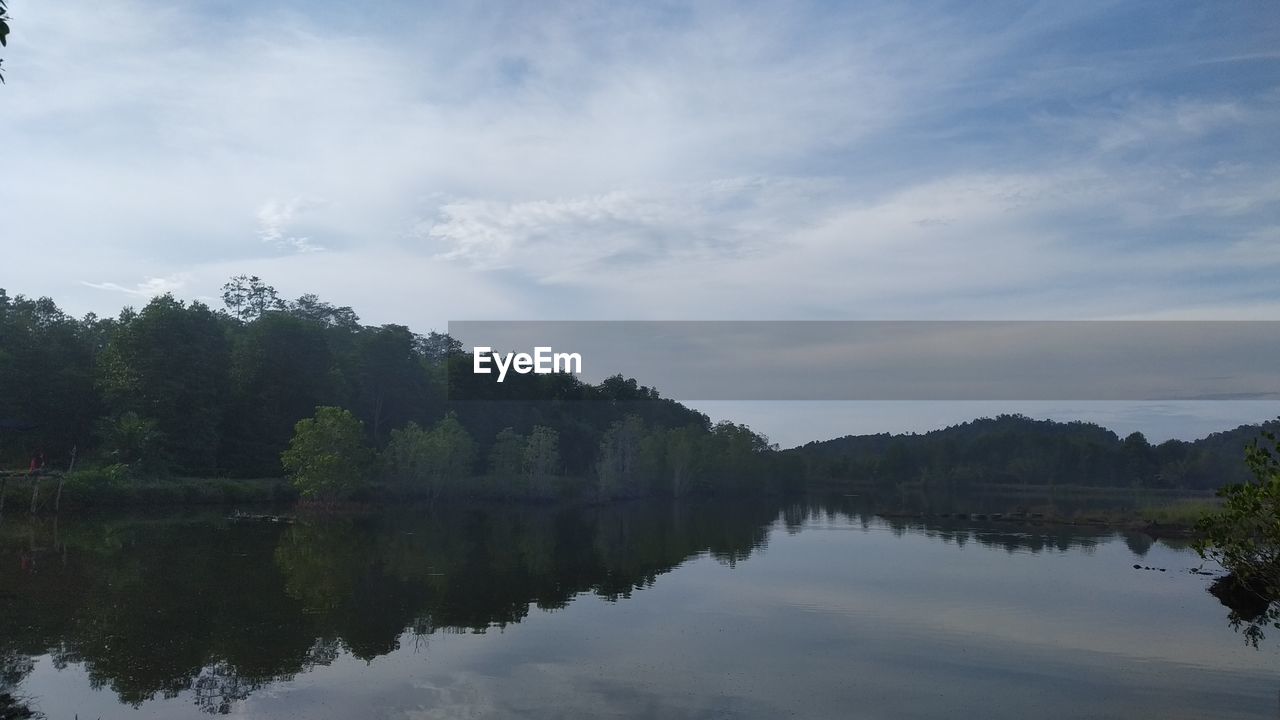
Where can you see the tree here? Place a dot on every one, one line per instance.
(438, 347)
(734, 455)
(506, 457)
(541, 461)
(46, 377)
(680, 452)
(618, 463)
(391, 381)
(327, 458)
(130, 440)
(1244, 537)
(280, 371)
(311, 307)
(247, 297)
(430, 461)
(1139, 460)
(169, 363)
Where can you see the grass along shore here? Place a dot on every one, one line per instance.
(1154, 512)
(85, 489)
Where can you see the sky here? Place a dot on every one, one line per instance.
(552, 161)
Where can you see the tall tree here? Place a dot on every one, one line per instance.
(280, 371)
(46, 376)
(391, 380)
(169, 363)
(618, 467)
(247, 297)
(311, 307)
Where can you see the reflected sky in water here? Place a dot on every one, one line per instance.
(721, 613)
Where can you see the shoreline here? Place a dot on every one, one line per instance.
(1181, 528)
(1175, 517)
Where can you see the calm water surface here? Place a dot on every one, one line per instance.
(671, 611)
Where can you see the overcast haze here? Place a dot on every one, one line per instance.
(728, 161)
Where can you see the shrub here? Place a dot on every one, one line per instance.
(327, 458)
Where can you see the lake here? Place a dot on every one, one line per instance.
(701, 610)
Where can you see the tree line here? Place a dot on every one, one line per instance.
(1017, 450)
(265, 384)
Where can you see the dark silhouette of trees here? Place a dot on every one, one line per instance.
(177, 388)
(1016, 450)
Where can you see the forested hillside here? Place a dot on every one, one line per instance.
(180, 388)
(1013, 449)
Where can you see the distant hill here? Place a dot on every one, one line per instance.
(1015, 449)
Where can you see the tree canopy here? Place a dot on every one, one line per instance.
(327, 458)
(179, 388)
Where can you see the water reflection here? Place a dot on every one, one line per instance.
(154, 607)
(1250, 610)
(214, 612)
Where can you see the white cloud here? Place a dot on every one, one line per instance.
(631, 162)
(151, 287)
(276, 217)
(567, 239)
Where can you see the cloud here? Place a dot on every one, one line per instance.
(568, 238)
(151, 287)
(886, 160)
(1168, 122)
(275, 218)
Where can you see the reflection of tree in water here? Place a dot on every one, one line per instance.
(1012, 536)
(1250, 610)
(220, 685)
(13, 668)
(1139, 543)
(161, 608)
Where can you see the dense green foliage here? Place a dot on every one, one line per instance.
(428, 461)
(180, 389)
(1016, 450)
(1244, 538)
(327, 458)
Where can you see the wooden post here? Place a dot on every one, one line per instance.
(57, 500)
